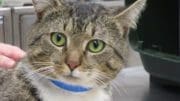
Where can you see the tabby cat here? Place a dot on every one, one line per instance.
(75, 50)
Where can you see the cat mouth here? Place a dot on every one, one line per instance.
(71, 78)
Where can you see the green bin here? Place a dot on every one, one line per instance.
(157, 39)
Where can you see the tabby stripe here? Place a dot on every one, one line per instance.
(32, 90)
(110, 66)
(118, 54)
(36, 39)
(64, 26)
(93, 31)
(84, 27)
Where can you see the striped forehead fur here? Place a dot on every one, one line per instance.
(80, 15)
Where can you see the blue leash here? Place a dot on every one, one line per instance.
(69, 87)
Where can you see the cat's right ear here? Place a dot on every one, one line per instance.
(128, 18)
(41, 5)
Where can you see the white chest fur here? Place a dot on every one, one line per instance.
(49, 92)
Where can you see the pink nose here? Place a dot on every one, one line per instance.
(72, 64)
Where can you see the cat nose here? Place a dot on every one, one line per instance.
(72, 64)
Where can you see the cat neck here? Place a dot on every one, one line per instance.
(49, 92)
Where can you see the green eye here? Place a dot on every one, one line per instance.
(58, 39)
(96, 46)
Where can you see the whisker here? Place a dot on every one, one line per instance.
(42, 62)
(114, 83)
(47, 69)
(118, 87)
(115, 89)
(109, 76)
(99, 79)
(100, 82)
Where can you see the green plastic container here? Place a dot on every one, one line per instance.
(1, 2)
(157, 39)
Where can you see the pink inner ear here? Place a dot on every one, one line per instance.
(125, 31)
(42, 5)
(39, 6)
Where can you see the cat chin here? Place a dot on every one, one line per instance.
(74, 81)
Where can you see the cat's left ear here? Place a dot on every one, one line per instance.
(128, 18)
(41, 5)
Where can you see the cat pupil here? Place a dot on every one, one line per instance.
(58, 37)
(96, 44)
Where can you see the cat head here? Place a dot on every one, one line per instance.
(83, 43)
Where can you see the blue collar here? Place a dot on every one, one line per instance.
(70, 87)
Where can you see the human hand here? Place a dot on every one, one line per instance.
(9, 55)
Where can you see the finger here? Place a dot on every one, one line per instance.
(11, 51)
(6, 62)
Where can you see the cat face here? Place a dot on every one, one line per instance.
(80, 43)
